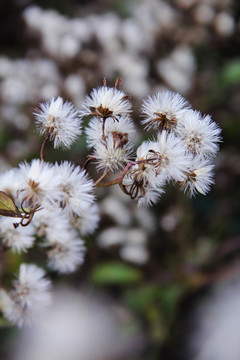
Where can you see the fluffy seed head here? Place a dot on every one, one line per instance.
(200, 134)
(163, 110)
(39, 183)
(106, 102)
(59, 121)
(199, 177)
(29, 297)
(76, 190)
(113, 152)
(123, 126)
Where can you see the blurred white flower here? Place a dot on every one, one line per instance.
(67, 249)
(59, 121)
(216, 326)
(28, 298)
(9, 182)
(178, 69)
(19, 238)
(224, 24)
(87, 223)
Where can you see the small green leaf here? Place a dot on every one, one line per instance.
(7, 206)
(115, 273)
(230, 74)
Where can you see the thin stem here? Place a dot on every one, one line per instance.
(87, 162)
(101, 177)
(42, 147)
(118, 83)
(103, 129)
(119, 179)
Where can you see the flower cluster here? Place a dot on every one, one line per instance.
(110, 129)
(56, 202)
(182, 151)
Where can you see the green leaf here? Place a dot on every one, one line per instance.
(7, 206)
(230, 74)
(115, 273)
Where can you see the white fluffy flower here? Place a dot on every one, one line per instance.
(163, 110)
(200, 134)
(39, 183)
(60, 121)
(67, 249)
(168, 157)
(123, 126)
(29, 297)
(112, 153)
(46, 218)
(18, 238)
(106, 102)
(199, 177)
(76, 190)
(87, 223)
(9, 182)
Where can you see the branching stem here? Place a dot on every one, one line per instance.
(119, 179)
(101, 177)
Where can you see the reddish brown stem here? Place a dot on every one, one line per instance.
(101, 177)
(119, 179)
(87, 162)
(42, 147)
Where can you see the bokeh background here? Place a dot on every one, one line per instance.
(172, 270)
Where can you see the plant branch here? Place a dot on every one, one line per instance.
(119, 179)
(101, 177)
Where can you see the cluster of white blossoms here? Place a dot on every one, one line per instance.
(182, 150)
(56, 203)
(110, 129)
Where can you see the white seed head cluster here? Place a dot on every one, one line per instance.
(110, 129)
(182, 152)
(61, 196)
(55, 202)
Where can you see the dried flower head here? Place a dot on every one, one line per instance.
(163, 110)
(113, 152)
(59, 121)
(39, 182)
(200, 134)
(106, 102)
